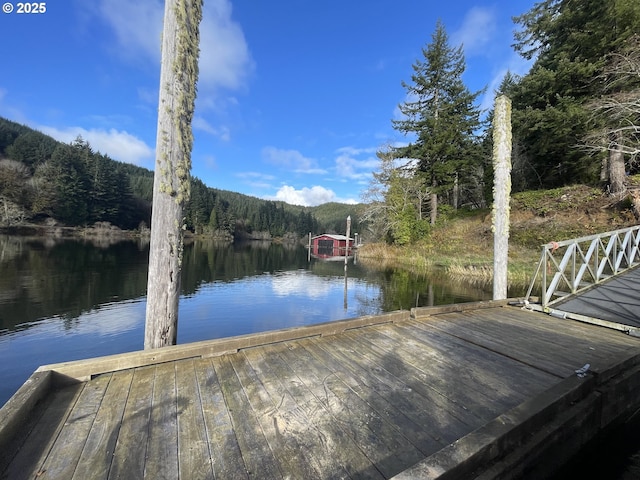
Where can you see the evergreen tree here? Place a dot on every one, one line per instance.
(31, 148)
(570, 41)
(440, 116)
(71, 184)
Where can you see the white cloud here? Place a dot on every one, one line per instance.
(300, 282)
(292, 160)
(225, 60)
(223, 133)
(119, 145)
(351, 168)
(224, 55)
(256, 179)
(308, 197)
(476, 31)
(136, 25)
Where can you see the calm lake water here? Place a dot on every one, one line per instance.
(66, 300)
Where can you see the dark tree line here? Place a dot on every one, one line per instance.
(41, 177)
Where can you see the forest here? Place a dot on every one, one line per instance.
(43, 179)
(575, 119)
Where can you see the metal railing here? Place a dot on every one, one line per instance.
(585, 262)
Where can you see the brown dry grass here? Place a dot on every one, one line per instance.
(463, 246)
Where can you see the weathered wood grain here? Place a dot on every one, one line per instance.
(495, 373)
(563, 353)
(63, 457)
(336, 451)
(365, 399)
(520, 348)
(194, 459)
(402, 425)
(131, 447)
(438, 375)
(373, 435)
(278, 428)
(258, 457)
(225, 452)
(393, 399)
(18, 410)
(85, 369)
(425, 407)
(291, 420)
(38, 438)
(162, 447)
(95, 459)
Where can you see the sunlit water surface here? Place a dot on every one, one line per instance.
(64, 300)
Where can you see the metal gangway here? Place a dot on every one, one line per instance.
(572, 266)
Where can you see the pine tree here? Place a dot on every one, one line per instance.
(570, 42)
(440, 116)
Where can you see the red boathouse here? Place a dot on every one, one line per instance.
(329, 245)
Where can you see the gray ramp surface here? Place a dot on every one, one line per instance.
(617, 300)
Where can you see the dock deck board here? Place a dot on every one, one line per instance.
(368, 402)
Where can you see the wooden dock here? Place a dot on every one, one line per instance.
(433, 393)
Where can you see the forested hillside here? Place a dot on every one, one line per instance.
(41, 178)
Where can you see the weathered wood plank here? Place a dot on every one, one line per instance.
(410, 411)
(16, 412)
(606, 339)
(334, 450)
(131, 447)
(223, 445)
(420, 362)
(564, 350)
(416, 380)
(194, 459)
(280, 430)
(491, 372)
(162, 449)
(350, 374)
(63, 458)
(418, 312)
(258, 457)
(424, 406)
(389, 451)
(526, 352)
(96, 457)
(85, 369)
(472, 385)
(292, 419)
(40, 437)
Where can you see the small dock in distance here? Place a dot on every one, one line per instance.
(480, 390)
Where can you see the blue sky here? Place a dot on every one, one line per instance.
(294, 96)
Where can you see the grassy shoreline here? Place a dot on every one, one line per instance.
(457, 262)
(462, 246)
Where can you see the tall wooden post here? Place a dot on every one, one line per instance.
(501, 194)
(171, 184)
(346, 251)
(346, 259)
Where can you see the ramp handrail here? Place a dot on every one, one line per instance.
(585, 262)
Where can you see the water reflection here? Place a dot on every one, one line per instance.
(67, 299)
(66, 279)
